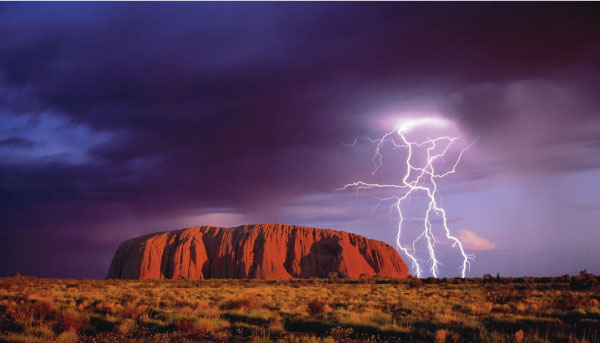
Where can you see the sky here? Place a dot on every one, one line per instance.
(120, 119)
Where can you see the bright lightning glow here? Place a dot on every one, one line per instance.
(424, 180)
(406, 125)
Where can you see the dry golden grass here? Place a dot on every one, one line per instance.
(316, 310)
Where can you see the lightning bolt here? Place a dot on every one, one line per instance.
(424, 180)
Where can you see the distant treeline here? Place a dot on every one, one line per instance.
(582, 281)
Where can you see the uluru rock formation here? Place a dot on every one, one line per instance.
(264, 251)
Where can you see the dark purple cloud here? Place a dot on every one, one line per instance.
(16, 142)
(125, 116)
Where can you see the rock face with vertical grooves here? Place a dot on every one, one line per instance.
(263, 251)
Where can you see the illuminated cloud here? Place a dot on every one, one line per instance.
(48, 137)
(473, 241)
(223, 219)
(407, 124)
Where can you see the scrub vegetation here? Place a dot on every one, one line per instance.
(489, 309)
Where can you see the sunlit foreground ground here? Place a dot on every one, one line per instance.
(565, 309)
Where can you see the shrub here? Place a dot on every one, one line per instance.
(584, 281)
(131, 310)
(243, 331)
(71, 321)
(255, 317)
(276, 331)
(104, 308)
(69, 336)
(333, 275)
(248, 302)
(519, 336)
(210, 326)
(415, 282)
(43, 310)
(440, 336)
(126, 327)
(185, 324)
(316, 306)
(43, 331)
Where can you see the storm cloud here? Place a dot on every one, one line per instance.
(120, 119)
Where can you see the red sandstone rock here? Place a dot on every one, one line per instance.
(264, 251)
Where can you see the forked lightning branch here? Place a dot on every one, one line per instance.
(419, 179)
